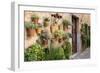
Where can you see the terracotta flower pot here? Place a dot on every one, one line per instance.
(46, 23)
(45, 43)
(65, 29)
(38, 30)
(36, 21)
(54, 28)
(31, 32)
(34, 18)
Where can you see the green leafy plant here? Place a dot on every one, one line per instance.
(85, 35)
(46, 21)
(34, 53)
(30, 29)
(29, 25)
(67, 49)
(66, 36)
(59, 33)
(44, 37)
(34, 16)
(47, 53)
(65, 23)
(57, 54)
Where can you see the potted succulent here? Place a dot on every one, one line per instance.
(65, 23)
(35, 19)
(46, 22)
(30, 29)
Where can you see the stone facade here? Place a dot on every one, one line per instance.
(83, 18)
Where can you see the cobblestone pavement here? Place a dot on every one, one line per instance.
(84, 55)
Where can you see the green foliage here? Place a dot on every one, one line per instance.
(67, 49)
(34, 16)
(29, 25)
(38, 53)
(66, 36)
(66, 23)
(69, 35)
(85, 35)
(57, 54)
(59, 33)
(35, 53)
(44, 37)
(47, 55)
(46, 21)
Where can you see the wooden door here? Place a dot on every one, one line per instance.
(74, 33)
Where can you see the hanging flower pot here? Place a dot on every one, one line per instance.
(30, 29)
(30, 32)
(38, 30)
(44, 37)
(66, 24)
(35, 19)
(46, 22)
(54, 28)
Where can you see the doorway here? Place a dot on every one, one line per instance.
(75, 21)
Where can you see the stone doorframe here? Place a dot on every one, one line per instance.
(78, 36)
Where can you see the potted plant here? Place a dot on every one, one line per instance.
(56, 53)
(65, 23)
(59, 35)
(67, 49)
(34, 53)
(65, 37)
(56, 18)
(55, 22)
(46, 22)
(35, 19)
(44, 37)
(30, 28)
(39, 29)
